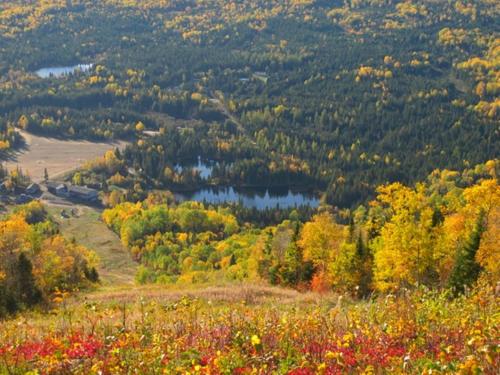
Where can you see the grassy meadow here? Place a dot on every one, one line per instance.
(116, 267)
(242, 329)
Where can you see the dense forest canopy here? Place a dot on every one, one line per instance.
(442, 233)
(338, 96)
(386, 112)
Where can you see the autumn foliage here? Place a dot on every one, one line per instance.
(37, 262)
(442, 233)
(266, 332)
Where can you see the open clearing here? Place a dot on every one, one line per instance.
(116, 266)
(117, 270)
(58, 156)
(246, 293)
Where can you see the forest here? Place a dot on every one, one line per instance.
(38, 263)
(442, 234)
(386, 112)
(335, 97)
(404, 285)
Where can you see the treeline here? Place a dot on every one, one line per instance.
(441, 233)
(240, 161)
(347, 175)
(38, 264)
(98, 114)
(9, 138)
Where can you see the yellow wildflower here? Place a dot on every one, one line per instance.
(255, 340)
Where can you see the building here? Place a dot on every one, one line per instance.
(51, 187)
(33, 189)
(23, 198)
(83, 193)
(58, 189)
(261, 76)
(73, 192)
(62, 190)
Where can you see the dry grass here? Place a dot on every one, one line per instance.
(58, 156)
(116, 266)
(247, 293)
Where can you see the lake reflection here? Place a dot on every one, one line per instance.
(205, 168)
(60, 71)
(260, 199)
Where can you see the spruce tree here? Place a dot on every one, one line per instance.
(466, 270)
(365, 263)
(27, 292)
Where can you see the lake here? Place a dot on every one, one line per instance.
(260, 199)
(60, 71)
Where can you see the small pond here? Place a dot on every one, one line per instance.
(203, 167)
(260, 199)
(60, 71)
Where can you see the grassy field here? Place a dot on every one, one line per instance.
(243, 329)
(58, 156)
(116, 266)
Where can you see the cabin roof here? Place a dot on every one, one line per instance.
(82, 190)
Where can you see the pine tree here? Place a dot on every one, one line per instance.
(27, 291)
(365, 263)
(466, 270)
(91, 274)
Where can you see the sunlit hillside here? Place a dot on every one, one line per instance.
(249, 187)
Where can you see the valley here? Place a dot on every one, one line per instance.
(249, 187)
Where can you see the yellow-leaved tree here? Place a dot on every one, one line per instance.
(484, 199)
(321, 242)
(403, 252)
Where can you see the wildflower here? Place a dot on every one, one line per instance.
(330, 355)
(255, 340)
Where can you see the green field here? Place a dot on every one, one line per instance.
(116, 266)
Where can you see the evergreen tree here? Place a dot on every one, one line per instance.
(466, 270)
(8, 303)
(91, 274)
(27, 291)
(365, 263)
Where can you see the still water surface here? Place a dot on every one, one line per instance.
(260, 199)
(60, 71)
